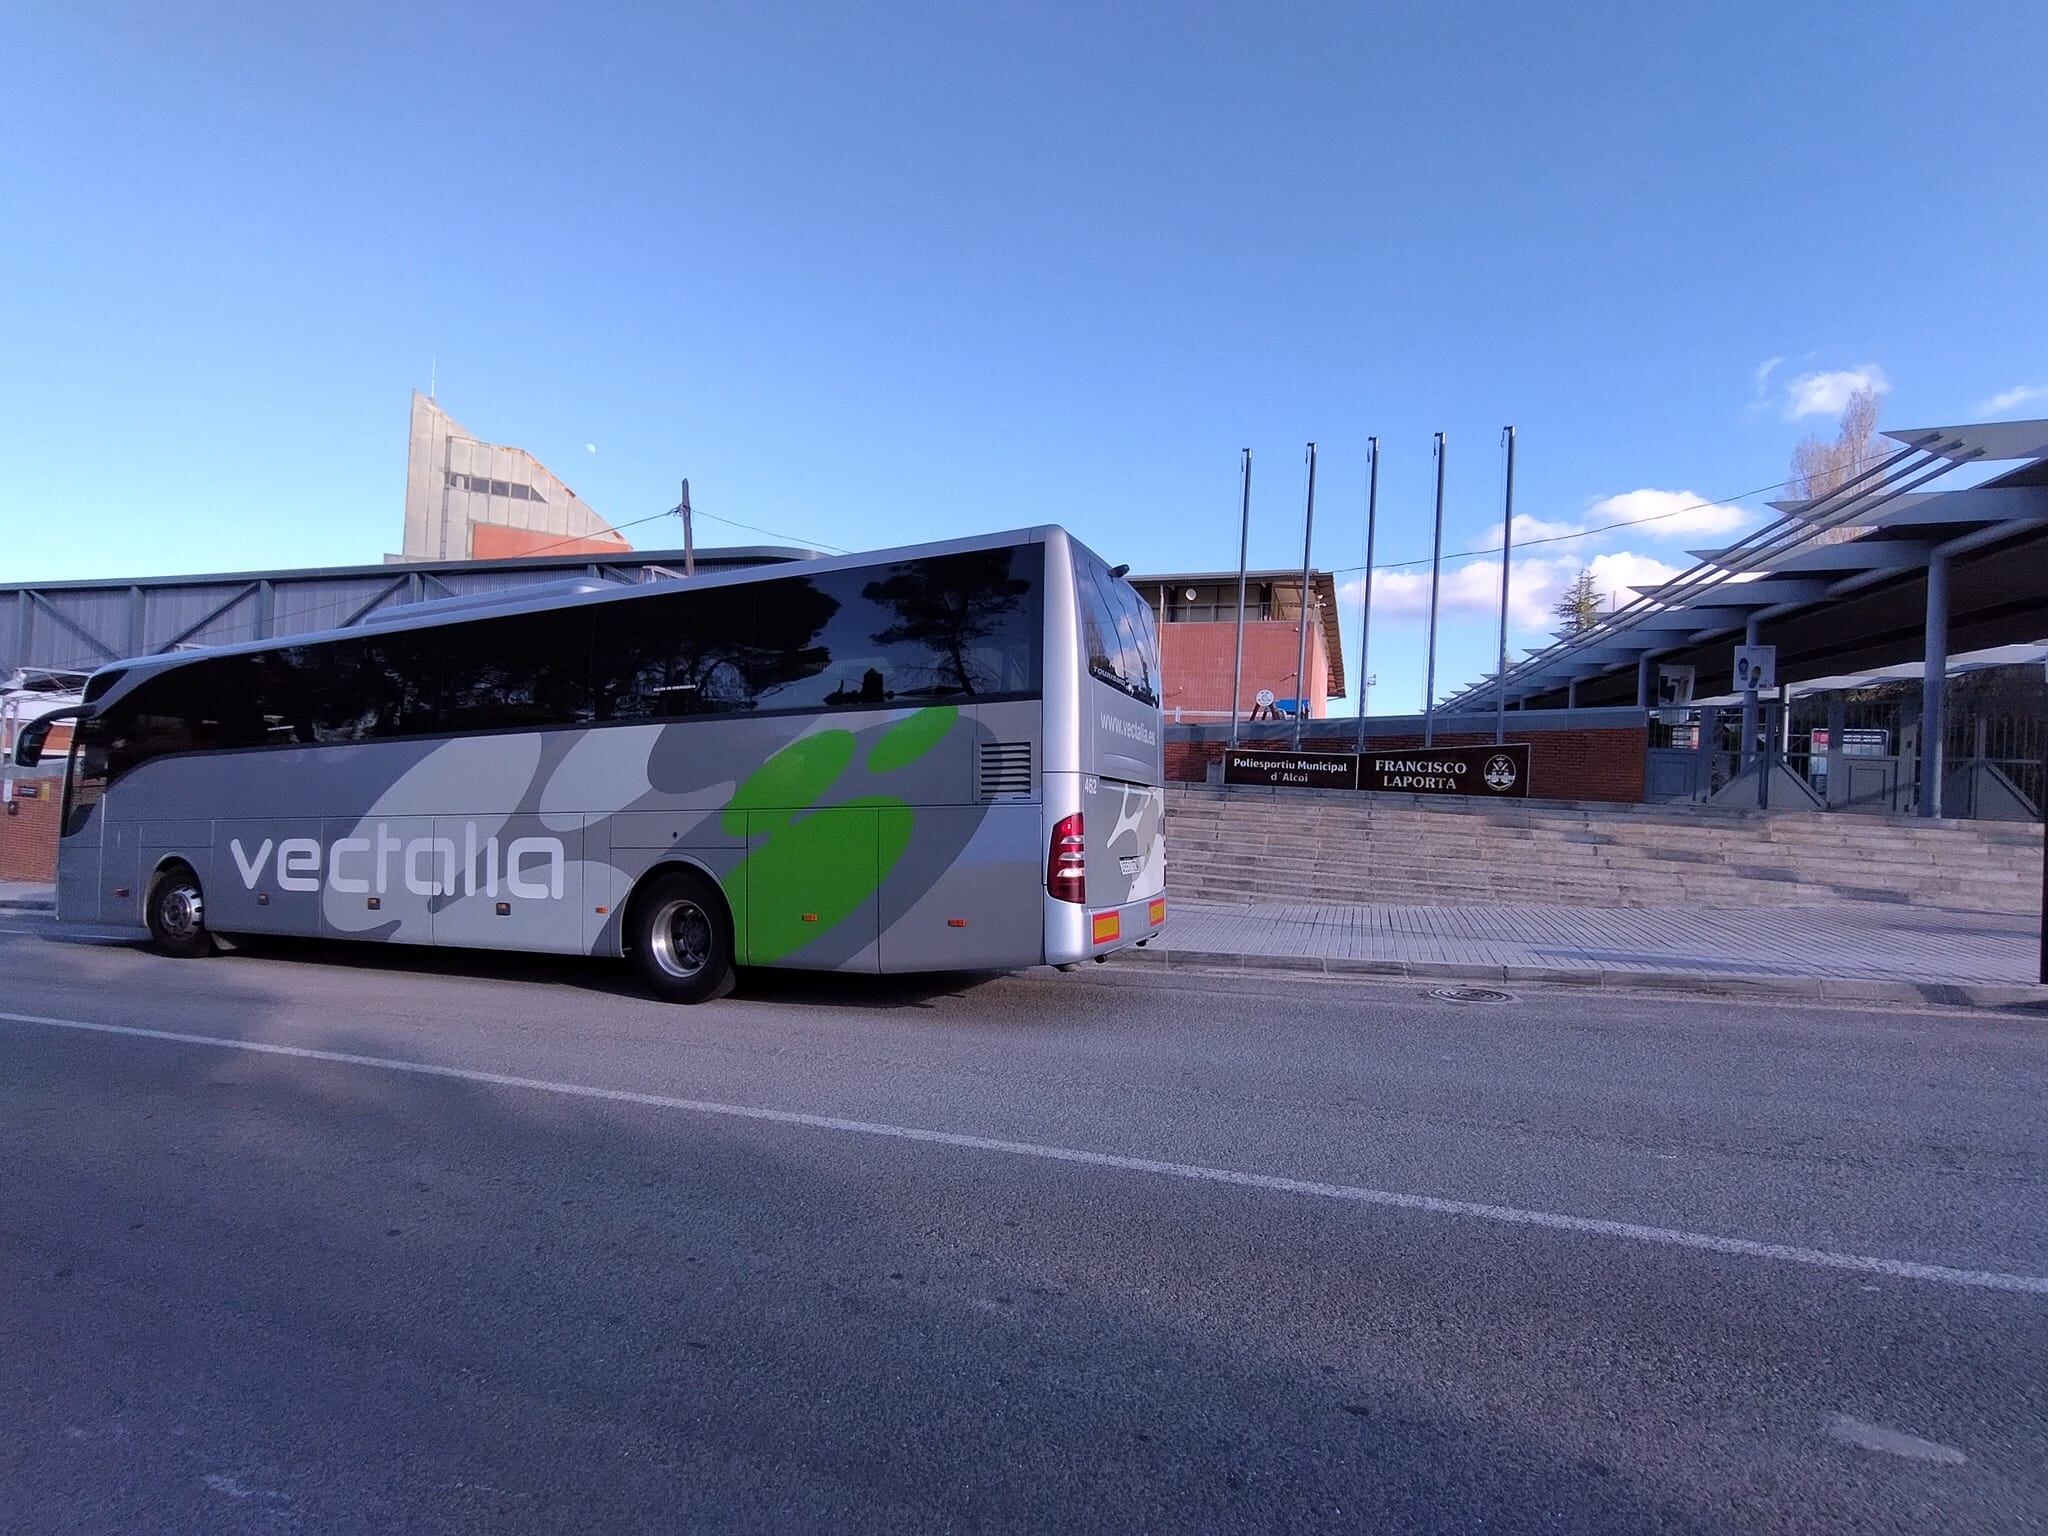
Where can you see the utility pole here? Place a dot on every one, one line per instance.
(689, 533)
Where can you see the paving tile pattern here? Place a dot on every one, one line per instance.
(1852, 940)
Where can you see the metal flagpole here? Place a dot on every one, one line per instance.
(1244, 546)
(1507, 548)
(1372, 512)
(1308, 526)
(1436, 566)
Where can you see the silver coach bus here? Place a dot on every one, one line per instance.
(943, 757)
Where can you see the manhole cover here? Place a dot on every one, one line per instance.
(1468, 995)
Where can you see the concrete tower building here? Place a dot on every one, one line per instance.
(466, 499)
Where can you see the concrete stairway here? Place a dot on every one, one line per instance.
(1310, 846)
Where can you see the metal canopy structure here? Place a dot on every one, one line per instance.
(1875, 574)
(85, 624)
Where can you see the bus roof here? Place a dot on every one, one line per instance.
(510, 602)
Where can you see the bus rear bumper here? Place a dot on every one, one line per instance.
(1075, 932)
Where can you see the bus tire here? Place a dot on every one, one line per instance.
(680, 936)
(176, 913)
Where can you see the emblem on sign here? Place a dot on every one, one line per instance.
(1500, 772)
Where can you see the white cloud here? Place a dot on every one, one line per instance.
(2012, 399)
(1527, 528)
(1645, 513)
(1666, 514)
(1472, 589)
(1760, 379)
(1826, 393)
(1621, 575)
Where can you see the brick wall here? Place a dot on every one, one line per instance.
(1198, 660)
(1583, 764)
(28, 827)
(28, 832)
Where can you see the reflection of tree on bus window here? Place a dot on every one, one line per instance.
(948, 607)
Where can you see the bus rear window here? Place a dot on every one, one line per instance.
(1117, 630)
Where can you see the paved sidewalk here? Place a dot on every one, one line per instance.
(1852, 950)
(1848, 950)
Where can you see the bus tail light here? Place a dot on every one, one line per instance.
(1066, 865)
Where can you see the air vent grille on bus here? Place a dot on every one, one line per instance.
(1004, 768)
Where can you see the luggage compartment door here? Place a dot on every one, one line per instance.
(969, 891)
(806, 894)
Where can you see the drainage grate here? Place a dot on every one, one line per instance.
(1468, 995)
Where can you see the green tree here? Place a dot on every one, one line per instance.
(1579, 608)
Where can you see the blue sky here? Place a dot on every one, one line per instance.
(883, 273)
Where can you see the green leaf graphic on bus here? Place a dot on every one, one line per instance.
(908, 740)
(793, 780)
(810, 867)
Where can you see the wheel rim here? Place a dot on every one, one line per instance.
(680, 938)
(180, 911)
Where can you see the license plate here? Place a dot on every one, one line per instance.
(1128, 864)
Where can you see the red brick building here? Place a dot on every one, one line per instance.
(31, 803)
(1197, 616)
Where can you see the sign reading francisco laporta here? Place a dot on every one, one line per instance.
(1486, 772)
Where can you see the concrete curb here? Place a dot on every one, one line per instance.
(1833, 988)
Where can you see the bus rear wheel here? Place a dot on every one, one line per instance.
(681, 939)
(176, 914)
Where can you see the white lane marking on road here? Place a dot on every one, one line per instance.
(1673, 1237)
(1893, 1442)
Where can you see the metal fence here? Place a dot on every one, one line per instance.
(1860, 750)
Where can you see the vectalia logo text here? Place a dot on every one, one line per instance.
(429, 866)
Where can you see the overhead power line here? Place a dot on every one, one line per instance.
(771, 533)
(700, 512)
(1566, 538)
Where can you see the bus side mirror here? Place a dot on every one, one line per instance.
(28, 745)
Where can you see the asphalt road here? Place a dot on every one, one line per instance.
(1157, 1270)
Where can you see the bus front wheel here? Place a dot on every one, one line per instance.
(176, 914)
(682, 939)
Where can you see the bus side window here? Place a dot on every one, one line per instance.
(944, 628)
(525, 670)
(676, 654)
(360, 690)
(967, 623)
